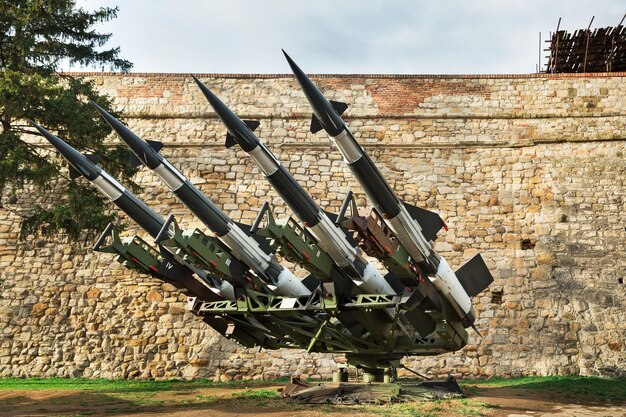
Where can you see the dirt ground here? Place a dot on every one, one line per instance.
(224, 402)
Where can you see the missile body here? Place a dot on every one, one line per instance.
(138, 211)
(329, 237)
(395, 213)
(242, 245)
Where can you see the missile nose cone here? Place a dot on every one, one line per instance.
(302, 78)
(237, 128)
(146, 154)
(219, 107)
(76, 160)
(292, 64)
(322, 108)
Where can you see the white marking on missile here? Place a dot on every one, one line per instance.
(245, 248)
(108, 186)
(265, 160)
(333, 241)
(449, 284)
(332, 119)
(348, 147)
(409, 233)
(170, 175)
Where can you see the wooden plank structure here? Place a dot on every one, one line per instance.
(600, 50)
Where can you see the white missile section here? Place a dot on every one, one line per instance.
(108, 186)
(246, 248)
(447, 282)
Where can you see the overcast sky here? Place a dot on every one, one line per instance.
(335, 36)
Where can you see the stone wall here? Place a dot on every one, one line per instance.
(526, 169)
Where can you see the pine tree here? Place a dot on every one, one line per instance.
(37, 37)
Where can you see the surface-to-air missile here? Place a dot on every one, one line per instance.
(243, 246)
(167, 268)
(415, 228)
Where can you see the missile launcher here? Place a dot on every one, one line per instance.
(376, 291)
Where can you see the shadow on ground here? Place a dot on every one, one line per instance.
(86, 403)
(588, 391)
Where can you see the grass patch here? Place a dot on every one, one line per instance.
(112, 385)
(602, 389)
(115, 397)
(256, 394)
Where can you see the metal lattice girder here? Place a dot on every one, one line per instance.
(320, 330)
(203, 251)
(297, 245)
(132, 252)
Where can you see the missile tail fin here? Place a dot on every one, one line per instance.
(74, 173)
(134, 162)
(474, 276)
(395, 283)
(429, 221)
(339, 107)
(421, 321)
(230, 140)
(316, 126)
(252, 124)
(93, 157)
(311, 282)
(155, 144)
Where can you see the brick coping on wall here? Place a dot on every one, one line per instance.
(349, 76)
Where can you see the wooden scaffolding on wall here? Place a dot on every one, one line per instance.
(600, 50)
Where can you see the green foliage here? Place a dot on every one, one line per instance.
(36, 38)
(257, 393)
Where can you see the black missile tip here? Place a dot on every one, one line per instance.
(100, 109)
(105, 115)
(297, 71)
(291, 63)
(212, 98)
(37, 126)
(93, 103)
(108, 117)
(199, 83)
